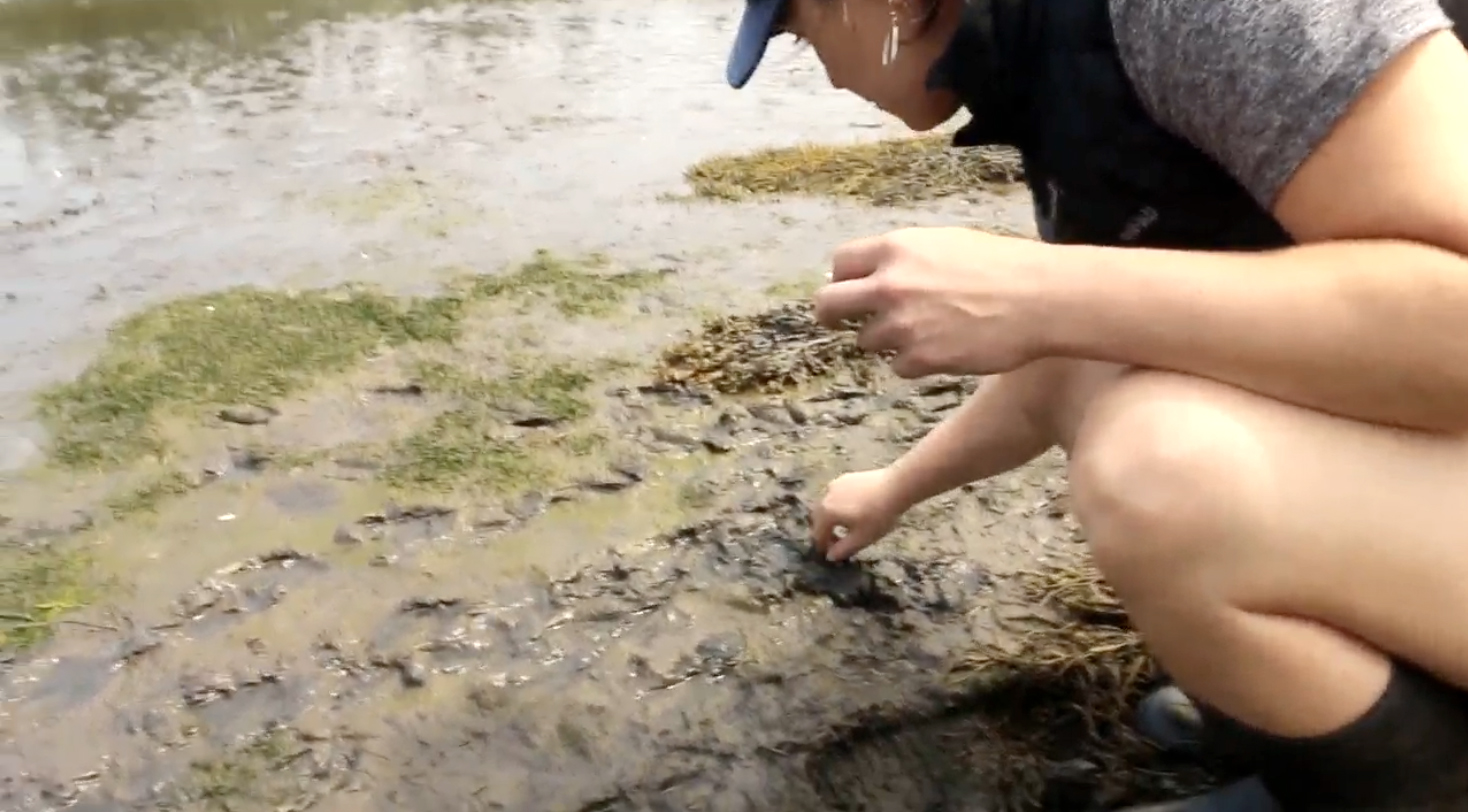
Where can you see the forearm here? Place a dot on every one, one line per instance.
(1371, 330)
(990, 433)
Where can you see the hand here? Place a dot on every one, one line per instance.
(941, 300)
(865, 504)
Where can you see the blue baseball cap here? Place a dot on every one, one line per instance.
(759, 25)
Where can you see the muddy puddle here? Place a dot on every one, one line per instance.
(491, 489)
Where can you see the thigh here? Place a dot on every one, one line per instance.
(1361, 527)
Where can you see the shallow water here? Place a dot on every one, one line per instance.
(150, 148)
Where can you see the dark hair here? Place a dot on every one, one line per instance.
(930, 14)
(924, 21)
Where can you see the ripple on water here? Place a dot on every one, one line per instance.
(152, 148)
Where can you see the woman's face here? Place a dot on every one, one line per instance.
(852, 38)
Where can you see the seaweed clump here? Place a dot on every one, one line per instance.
(1058, 696)
(575, 287)
(253, 346)
(883, 173)
(240, 345)
(37, 586)
(769, 351)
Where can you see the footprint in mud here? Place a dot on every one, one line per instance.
(303, 497)
(403, 525)
(633, 687)
(236, 703)
(252, 585)
(68, 682)
(236, 463)
(922, 766)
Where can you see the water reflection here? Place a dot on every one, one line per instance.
(191, 72)
(37, 25)
(153, 148)
(14, 163)
(94, 67)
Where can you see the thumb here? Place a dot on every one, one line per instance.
(855, 540)
(823, 528)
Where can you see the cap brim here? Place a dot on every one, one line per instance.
(756, 28)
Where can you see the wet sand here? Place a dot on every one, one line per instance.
(435, 575)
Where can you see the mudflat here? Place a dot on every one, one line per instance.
(418, 406)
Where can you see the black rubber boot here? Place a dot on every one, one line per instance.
(1172, 722)
(1249, 795)
(1169, 720)
(1408, 753)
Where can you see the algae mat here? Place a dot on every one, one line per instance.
(891, 172)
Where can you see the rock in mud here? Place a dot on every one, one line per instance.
(718, 440)
(203, 689)
(402, 390)
(946, 385)
(772, 413)
(673, 437)
(491, 518)
(613, 481)
(631, 468)
(400, 514)
(137, 644)
(405, 524)
(250, 585)
(413, 674)
(529, 416)
(528, 505)
(248, 415)
(234, 461)
(347, 536)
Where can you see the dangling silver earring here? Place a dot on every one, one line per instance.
(894, 36)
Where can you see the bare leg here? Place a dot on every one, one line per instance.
(1272, 556)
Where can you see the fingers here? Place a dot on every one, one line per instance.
(839, 302)
(823, 529)
(851, 292)
(829, 539)
(849, 545)
(858, 258)
(832, 532)
(907, 366)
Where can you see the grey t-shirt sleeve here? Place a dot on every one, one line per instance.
(1258, 84)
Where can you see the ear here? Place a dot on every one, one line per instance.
(913, 17)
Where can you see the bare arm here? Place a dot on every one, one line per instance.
(996, 430)
(1368, 318)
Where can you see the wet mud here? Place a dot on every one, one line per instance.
(490, 489)
(454, 653)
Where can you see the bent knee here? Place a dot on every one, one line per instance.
(1163, 472)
